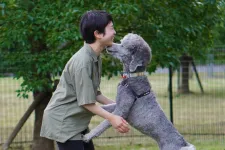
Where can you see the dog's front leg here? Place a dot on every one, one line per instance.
(124, 102)
(97, 131)
(102, 126)
(109, 107)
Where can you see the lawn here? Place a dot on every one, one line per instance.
(199, 146)
(199, 117)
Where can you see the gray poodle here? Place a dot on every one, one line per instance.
(135, 101)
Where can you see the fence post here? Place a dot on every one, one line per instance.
(171, 92)
(178, 78)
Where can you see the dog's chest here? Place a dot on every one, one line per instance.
(122, 88)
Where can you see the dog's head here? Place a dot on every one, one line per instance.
(133, 52)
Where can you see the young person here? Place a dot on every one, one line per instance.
(72, 105)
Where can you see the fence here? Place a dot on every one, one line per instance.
(198, 116)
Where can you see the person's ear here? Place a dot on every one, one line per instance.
(97, 34)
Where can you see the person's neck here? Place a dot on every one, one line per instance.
(97, 48)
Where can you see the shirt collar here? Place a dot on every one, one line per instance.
(91, 52)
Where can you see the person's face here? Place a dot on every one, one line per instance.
(107, 38)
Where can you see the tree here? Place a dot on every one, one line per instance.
(38, 37)
(173, 29)
(178, 28)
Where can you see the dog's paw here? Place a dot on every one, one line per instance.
(189, 147)
(86, 138)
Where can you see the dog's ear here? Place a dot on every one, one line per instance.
(141, 53)
(140, 58)
(136, 61)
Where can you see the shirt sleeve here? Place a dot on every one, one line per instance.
(84, 87)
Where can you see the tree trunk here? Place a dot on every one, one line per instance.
(40, 143)
(185, 63)
(22, 121)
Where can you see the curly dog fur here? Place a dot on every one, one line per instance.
(136, 102)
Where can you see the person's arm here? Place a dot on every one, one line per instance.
(104, 100)
(117, 122)
(86, 97)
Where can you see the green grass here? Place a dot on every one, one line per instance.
(199, 146)
(196, 113)
(11, 110)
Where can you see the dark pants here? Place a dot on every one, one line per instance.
(76, 144)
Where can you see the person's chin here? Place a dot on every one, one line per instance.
(109, 44)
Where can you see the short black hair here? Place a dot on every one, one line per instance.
(91, 21)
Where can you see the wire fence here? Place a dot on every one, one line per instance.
(198, 116)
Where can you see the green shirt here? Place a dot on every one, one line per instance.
(64, 117)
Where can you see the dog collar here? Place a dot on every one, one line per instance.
(128, 75)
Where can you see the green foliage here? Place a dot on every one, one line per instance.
(219, 30)
(38, 37)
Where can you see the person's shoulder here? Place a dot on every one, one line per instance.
(81, 59)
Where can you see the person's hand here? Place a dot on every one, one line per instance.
(119, 123)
